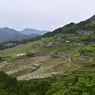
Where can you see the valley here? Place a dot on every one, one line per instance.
(61, 62)
(54, 55)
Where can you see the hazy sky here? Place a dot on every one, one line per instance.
(44, 14)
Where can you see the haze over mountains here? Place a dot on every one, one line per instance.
(29, 31)
(12, 34)
(7, 34)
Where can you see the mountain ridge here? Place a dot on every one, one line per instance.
(91, 18)
(9, 34)
(72, 28)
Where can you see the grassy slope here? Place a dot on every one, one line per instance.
(23, 48)
(70, 59)
(72, 74)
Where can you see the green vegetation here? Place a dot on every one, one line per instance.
(0, 59)
(77, 83)
(30, 54)
(61, 62)
(11, 44)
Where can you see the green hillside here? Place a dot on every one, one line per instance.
(61, 62)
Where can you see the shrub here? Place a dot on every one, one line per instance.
(85, 51)
(1, 59)
(30, 54)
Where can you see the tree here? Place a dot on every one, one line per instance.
(25, 90)
(0, 58)
(75, 80)
(30, 54)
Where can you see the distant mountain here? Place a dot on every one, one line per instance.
(7, 34)
(28, 31)
(10, 34)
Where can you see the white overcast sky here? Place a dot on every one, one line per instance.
(44, 14)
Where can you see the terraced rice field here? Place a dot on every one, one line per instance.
(22, 66)
(49, 68)
(36, 67)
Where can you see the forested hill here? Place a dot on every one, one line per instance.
(72, 28)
